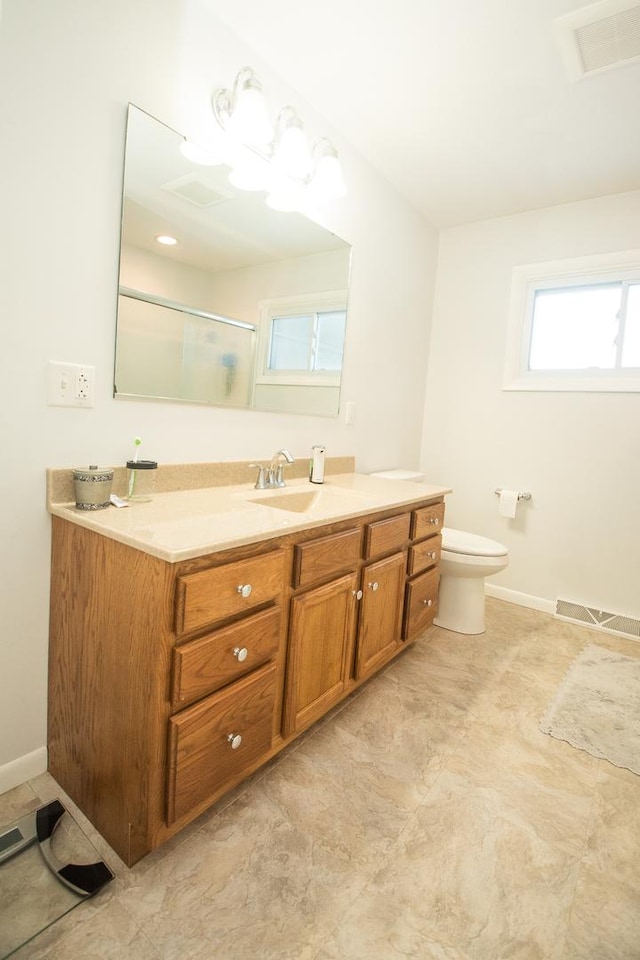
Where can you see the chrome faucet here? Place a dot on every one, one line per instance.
(272, 476)
(276, 468)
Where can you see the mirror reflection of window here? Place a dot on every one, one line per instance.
(310, 343)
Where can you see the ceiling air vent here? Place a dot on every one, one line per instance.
(599, 37)
(194, 190)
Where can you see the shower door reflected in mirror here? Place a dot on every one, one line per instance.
(202, 320)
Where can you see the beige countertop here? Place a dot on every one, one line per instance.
(182, 524)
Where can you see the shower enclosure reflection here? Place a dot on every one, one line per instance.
(247, 309)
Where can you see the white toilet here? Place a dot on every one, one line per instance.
(466, 560)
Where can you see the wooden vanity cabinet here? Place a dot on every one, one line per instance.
(170, 683)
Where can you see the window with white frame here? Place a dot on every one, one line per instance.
(575, 325)
(301, 339)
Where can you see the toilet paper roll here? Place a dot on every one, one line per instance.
(508, 503)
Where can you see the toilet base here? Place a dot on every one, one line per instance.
(461, 605)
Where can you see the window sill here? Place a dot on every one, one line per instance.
(574, 384)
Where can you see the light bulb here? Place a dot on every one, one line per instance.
(249, 120)
(292, 155)
(328, 181)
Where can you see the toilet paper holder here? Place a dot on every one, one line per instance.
(521, 496)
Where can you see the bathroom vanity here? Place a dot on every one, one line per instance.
(193, 637)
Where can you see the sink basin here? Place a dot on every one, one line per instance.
(295, 502)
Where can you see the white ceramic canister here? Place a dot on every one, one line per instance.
(92, 487)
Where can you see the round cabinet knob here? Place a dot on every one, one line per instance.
(427, 603)
(435, 521)
(244, 589)
(235, 740)
(240, 653)
(357, 594)
(432, 554)
(373, 586)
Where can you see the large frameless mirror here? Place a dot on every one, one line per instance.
(246, 308)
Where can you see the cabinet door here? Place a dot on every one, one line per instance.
(381, 613)
(321, 636)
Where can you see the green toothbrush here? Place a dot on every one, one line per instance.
(132, 479)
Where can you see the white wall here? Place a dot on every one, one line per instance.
(67, 71)
(578, 453)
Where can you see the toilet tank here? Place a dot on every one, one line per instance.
(414, 475)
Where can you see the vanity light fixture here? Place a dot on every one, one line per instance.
(278, 159)
(242, 111)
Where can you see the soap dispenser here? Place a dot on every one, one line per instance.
(316, 464)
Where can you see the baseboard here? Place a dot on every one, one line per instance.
(522, 599)
(18, 771)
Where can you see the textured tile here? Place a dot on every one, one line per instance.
(16, 803)
(540, 787)
(251, 884)
(604, 923)
(461, 882)
(613, 839)
(104, 934)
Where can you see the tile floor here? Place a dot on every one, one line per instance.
(426, 818)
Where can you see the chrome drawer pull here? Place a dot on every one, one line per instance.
(241, 653)
(427, 603)
(373, 586)
(235, 740)
(434, 520)
(357, 594)
(244, 589)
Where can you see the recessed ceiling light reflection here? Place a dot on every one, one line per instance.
(167, 240)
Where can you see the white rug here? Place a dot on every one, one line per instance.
(597, 707)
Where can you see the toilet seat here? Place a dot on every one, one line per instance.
(471, 545)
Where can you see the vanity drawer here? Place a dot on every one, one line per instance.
(319, 559)
(425, 554)
(386, 536)
(203, 760)
(426, 521)
(421, 604)
(205, 665)
(232, 588)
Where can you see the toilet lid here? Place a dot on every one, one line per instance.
(459, 541)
